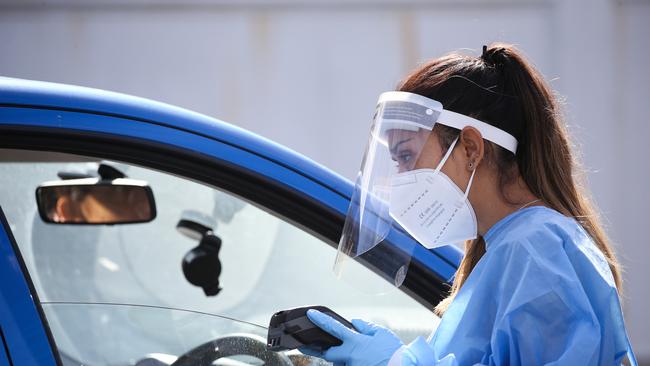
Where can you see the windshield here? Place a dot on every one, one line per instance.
(117, 294)
(162, 333)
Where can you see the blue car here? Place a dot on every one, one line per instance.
(208, 230)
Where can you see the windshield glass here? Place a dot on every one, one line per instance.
(117, 294)
(161, 332)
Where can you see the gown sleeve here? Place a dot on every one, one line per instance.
(528, 303)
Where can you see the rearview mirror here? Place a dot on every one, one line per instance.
(94, 201)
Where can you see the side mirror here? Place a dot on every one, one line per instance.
(95, 201)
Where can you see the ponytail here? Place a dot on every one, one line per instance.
(503, 89)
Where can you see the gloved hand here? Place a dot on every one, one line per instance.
(370, 345)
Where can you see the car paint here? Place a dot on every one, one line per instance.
(24, 336)
(39, 105)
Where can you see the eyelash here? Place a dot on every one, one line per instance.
(403, 157)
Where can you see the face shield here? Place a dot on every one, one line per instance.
(400, 187)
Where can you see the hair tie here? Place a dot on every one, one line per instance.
(493, 57)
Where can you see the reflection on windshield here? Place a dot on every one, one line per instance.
(149, 307)
(149, 335)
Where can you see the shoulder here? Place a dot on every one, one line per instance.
(550, 239)
(537, 237)
(538, 226)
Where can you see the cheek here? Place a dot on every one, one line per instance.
(430, 157)
(454, 167)
(457, 171)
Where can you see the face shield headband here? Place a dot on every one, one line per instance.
(409, 111)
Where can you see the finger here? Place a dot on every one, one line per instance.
(364, 327)
(337, 354)
(330, 325)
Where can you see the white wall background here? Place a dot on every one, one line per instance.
(307, 74)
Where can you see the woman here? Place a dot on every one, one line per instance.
(481, 153)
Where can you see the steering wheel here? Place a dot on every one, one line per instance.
(231, 345)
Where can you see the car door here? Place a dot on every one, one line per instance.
(294, 197)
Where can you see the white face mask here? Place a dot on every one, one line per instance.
(431, 207)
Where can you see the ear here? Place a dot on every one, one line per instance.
(65, 210)
(473, 146)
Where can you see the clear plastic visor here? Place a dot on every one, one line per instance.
(400, 131)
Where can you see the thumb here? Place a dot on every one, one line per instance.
(365, 327)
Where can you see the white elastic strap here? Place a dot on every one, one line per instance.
(469, 184)
(444, 159)
(489, 132)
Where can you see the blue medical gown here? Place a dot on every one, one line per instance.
(541, 294)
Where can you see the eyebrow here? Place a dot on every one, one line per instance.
(393, 150)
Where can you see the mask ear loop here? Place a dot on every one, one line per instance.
(469, 184)
(444, 160)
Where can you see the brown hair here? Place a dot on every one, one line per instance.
(503, 89)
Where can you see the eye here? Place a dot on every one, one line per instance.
(403, 159)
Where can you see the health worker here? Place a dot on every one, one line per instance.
(473, 150)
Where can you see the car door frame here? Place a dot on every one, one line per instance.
(257, 178)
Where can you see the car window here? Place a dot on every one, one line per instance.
(116, 294)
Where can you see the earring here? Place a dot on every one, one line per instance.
(471, 166)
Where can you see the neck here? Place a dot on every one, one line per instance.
(491, 203)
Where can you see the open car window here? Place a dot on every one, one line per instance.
(117, 295)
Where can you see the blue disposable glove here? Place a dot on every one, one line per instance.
(370, 345)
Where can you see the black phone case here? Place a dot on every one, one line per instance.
(290, 329)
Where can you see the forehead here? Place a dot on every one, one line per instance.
(397, 138)
(397, 134)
